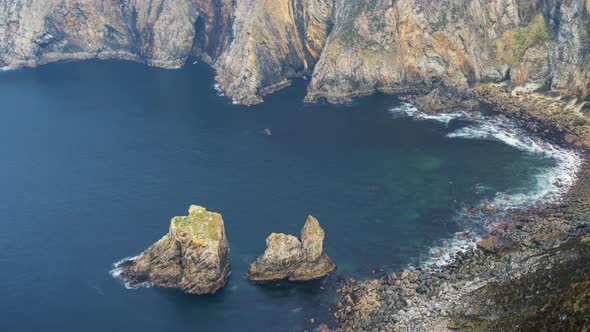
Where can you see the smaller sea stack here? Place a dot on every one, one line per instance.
(288, 258)
(193, 256)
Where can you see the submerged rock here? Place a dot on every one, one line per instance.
(193, 256)
(288, 258)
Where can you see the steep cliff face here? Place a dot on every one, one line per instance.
(569, 51)
(353, 48)
(157, 32)
(412, 45)
(272, 41)
(448, 46)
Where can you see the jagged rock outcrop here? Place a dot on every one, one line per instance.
(288, 258)
(442, 48)
(193, 256)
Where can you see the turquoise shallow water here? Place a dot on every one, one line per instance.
(98, 156)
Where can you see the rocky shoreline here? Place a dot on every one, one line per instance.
(530, 273)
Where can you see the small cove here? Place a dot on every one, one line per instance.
(98, 156)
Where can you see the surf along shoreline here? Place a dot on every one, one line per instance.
(530, 272)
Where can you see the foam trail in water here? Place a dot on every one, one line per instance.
(118, 270)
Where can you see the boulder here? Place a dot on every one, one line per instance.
(497, 245)
(286, 257)
(193, 256)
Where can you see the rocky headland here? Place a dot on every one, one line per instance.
(193, 256)
(288, 258)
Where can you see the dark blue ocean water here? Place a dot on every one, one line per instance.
(98, 156)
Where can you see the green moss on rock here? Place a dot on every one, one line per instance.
(200, 224)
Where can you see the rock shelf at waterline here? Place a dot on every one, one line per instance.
(193, 256)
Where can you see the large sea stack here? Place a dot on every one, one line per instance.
(193, 256)
(286, 257)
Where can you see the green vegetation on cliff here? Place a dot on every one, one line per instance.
(515, 42)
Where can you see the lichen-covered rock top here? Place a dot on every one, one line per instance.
(199, 226)
(288, 258)
(193, 256)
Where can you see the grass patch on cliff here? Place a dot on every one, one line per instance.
(514, 43)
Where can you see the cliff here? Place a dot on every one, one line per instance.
(441, 48)
(157, 32)
(445, 47)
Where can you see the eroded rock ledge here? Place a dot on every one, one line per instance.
(288, 258)
(193, 256)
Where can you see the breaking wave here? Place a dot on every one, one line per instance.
(551, 182)
(117, 271)
(218, 90)
(408, 109)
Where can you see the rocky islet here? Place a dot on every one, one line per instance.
(193, 256)
(288, 258)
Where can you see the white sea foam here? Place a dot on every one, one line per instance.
(443, 254)
(551, 183)
(118, 270)
(218, 89)
(408, 109)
